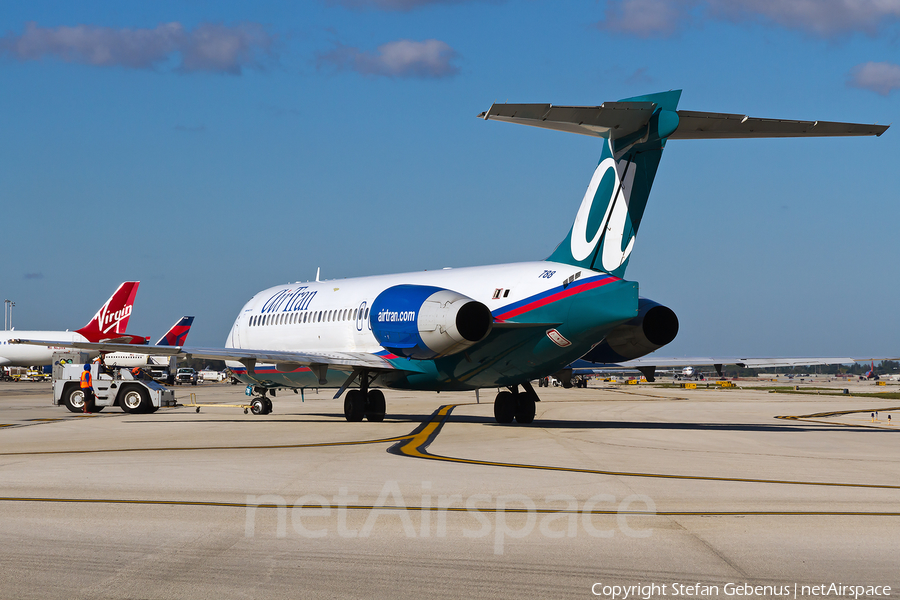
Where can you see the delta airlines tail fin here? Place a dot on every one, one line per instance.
(634, 133)
(177, 335)
(111, 320)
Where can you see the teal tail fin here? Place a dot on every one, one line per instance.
(602, 236)
(634, 133)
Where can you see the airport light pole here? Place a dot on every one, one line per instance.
(7, 314)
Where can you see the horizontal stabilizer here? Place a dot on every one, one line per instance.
(704, 125)
(616, 120)
(620, 117)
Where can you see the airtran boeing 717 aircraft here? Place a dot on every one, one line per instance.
(498, 326)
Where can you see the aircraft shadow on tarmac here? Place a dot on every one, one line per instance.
(787, 427)
(558, 424)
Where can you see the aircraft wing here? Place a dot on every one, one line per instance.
(648, 364)
(345, 361)
(751, 363)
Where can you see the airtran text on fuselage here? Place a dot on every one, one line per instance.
(289, 300)
(395, 316)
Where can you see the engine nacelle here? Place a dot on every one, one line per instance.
(423, 322)
(654, 326)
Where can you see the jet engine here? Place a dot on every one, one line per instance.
(424, 322)
(654, 326)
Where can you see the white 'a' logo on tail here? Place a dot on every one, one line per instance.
(612, 256)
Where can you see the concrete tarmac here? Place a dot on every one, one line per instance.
(613, 485)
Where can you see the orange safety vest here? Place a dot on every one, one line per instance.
(85, 379)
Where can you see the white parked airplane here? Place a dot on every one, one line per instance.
(497, 326)
(175, 336)
(108, 325)
(592, 363)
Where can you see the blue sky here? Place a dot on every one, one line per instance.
(212, 149)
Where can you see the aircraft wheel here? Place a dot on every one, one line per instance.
(269, 406)
(504, 407)
(524, 408)
(375, 408)
(354, 405)
(258, 406)
(134, 399)
(74, 400)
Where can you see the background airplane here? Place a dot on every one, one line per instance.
(175, 336)
(108, 325)
(649, 366)
(497, 326)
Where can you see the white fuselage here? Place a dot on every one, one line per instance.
(133, 359)
(22, 355)
(332, 315)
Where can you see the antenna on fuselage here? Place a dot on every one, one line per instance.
(317, 272)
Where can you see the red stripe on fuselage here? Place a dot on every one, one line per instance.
(570, 291)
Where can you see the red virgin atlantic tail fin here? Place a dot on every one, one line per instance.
(111, 320)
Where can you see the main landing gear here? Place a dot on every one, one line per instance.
(516, 405)
(364, 402)
(369, 405)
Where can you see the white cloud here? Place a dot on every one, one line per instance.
(825, 18)
(402, 58)
(209, 47)
(821, 17)
(645, 18)
(879, 77)
(399, 5)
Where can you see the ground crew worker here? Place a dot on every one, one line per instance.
(87, 387)
(136, 372)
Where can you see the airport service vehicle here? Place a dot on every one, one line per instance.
(35, 375)
(186, 375)
(161, 373)
(12, 373)
(498, 326)
(211, 375)
(108, 325)
(116, 389)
